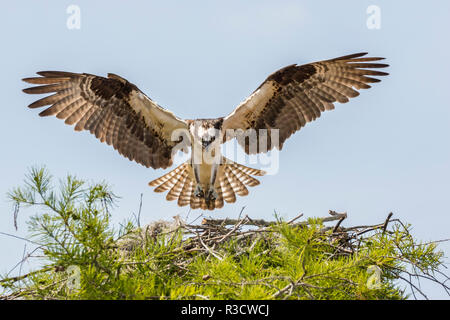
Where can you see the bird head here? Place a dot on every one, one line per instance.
(206, 132)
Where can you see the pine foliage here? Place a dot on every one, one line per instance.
(83, 256)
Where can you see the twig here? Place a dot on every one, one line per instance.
(295, 218)
(234, 229)
(339, 222)
(20, 238)
(16, 214)
(139, 213)
(228, 222)
(209, 249)
(387, 221)
(18, 278)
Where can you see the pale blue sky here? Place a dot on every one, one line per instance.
(386, 150)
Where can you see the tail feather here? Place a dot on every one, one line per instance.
(203, 204)
(219, 201)
(169, 180)
(247, 170)
(166, 177)
(195, 201)
(228, 193)
(245, 178)
(185, 196)
(237, 185)
(232, 180)
(174, 193)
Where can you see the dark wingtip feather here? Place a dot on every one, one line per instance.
(45, 113)
(366, 65)
(52, 74)
(29, 90)
(366, 59)
(376, 65)
(28, 80)
(45, 80)
(34, 105)
(30, 106)
(42, 89)
(351, 56)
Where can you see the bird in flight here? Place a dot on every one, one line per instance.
(118, 113)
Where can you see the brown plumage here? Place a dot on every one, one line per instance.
(118, 113)
(113, 110)
(295, 95)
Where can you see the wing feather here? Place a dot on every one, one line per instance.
(295, 95)
(112, 109)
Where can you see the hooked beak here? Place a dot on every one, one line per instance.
(205, 143)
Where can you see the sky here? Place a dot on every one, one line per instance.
(384, 151)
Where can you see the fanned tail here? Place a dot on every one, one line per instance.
(180, 183)
(235, 179)
(168, 181)
(232, 179)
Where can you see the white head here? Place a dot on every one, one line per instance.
(206, 131)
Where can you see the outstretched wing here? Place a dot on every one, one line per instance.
(113, 109)
(296, 95)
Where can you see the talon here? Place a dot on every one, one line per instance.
(199, 192)
(212, 194)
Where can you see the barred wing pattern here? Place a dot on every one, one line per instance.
(296, 95)
(112, 109)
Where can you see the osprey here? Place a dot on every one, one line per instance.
(118, 113)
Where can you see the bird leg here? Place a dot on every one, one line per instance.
(211, 194)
